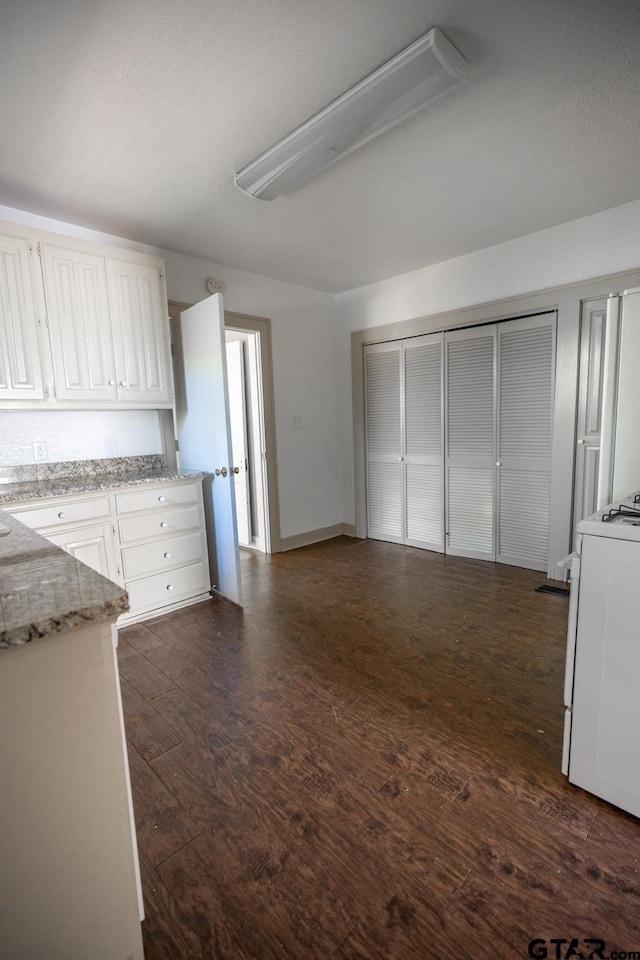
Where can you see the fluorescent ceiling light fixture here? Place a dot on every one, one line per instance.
(418, 75)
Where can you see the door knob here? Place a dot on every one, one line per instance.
(234, 469)
(580, 441)
(498, 463)
(222, 472)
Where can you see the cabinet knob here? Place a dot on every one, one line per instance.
(163, 523)
(581, 441)
(498, 463)
(112, 383)
(166, 555)
(169, 586)
(61, 515)
(123, 383)
(161, 499)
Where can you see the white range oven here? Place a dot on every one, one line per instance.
(601, 747)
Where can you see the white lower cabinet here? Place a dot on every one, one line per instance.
(150, 539)
(164, 548)
(93, 545)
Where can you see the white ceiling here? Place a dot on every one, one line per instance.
(131, 116)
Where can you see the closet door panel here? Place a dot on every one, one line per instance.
(470, 443)
(384, 492)
(523, 534)
(526, 351)
(423, 443)
(470, 515)
(383, 404)
(423, 491)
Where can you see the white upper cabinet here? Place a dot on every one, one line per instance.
(20, 362)
(79, 325)
(141, 332)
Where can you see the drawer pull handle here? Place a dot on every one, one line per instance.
(61, 515)
(163, 523)
(161, 499)
(166, 555)
(169, 586)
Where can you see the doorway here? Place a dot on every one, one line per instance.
(247, 431)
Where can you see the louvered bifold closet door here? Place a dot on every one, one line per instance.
(383, 405)
(423, 442)
(470, 442)
(526, 361)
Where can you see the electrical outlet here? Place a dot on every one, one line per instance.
(39, 450)
(297, 422)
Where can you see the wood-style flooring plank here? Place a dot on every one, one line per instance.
(146, 729)
(162, 825)
(143, 676)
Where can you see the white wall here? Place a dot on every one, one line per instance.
(305, 372)
(604, 243)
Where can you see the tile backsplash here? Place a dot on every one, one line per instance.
(77, 435)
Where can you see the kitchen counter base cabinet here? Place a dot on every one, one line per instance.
(68, 884)
(150, 539)
(164, 548)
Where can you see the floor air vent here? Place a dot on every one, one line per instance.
(549, 588)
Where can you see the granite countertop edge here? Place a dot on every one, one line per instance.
(69, 620)
(44, 591)
(22, 490)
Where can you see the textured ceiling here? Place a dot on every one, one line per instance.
(131, 116)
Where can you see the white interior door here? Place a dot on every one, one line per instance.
(593, 324)
(204, 432)
(626, 458)
(239, 443)
(526, 361)
(470, 442)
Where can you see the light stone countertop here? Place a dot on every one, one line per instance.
(44, 591)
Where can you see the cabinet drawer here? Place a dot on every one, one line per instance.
(169, 496)
(55, 515)
(164, 523)
(161, 555)
(165, 588)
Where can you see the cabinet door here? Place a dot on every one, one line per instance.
(20, 366)
(141, 328)
(80, 325)
(92, 545)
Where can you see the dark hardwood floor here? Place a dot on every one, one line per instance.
(364, 763)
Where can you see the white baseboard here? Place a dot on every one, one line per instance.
(316, 536)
